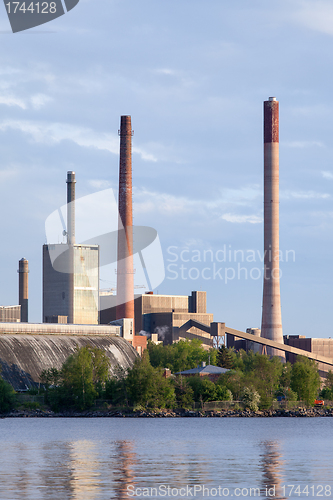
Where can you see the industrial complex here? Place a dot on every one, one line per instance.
(72, 315)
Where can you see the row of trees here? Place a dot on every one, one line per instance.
(270, 378)
(249, 373)
(253, 378)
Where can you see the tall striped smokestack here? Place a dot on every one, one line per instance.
(271, 325)
(71, 241)
(125, 278)
(23, 289)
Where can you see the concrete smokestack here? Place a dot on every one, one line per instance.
(125, 272)
(23, 289)
(271, 325)
(71, 207)
(71, 241)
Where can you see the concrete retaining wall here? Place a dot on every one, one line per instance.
(24, 357)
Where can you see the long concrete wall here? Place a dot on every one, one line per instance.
(24, 357)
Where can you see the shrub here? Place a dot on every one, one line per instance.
(7, 396)
(251, 399)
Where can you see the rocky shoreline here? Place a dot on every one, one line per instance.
(99, 413)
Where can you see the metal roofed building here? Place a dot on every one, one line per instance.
(203, 370)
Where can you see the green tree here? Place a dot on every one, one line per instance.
(146, 385)
(234, 381)
(327, 391)
(180, 356)
(222, 393)
(184, 392)
(203, 389)
(115, 387)
(225, 358)
(7, 396)
(264, 377)
(80, 380)
(305, 379)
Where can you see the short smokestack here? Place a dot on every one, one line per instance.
(125, 278)
(71, 241)
(71, 207)
(23, 289)
(271, 326)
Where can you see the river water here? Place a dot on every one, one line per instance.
(123, 458)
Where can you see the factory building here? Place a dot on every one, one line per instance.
(167, 314)
(71, 275)
(60, 299)
(10, 314)
(247, 345)
(173, 317)
(323, 347)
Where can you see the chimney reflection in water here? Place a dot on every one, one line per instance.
(272, 465)
(126, 459)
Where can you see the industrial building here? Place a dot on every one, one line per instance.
(322, 347)
(71, 275)
(11, 314)
(60, 299)
(247, 345)
(210, 371)
(73, 306)
(173, 317)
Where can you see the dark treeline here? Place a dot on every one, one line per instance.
(255, 379)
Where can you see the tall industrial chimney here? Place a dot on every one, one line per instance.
(71, 207)
(23, 289)
(71, 240)
(125, 272)
(271, 325)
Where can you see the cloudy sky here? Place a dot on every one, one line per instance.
(193, 75)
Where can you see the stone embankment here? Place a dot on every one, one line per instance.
(300, 412)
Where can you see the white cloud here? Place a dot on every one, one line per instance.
(171, 205)
(10, 100)
(316, 15)
(99, 183)
(304, 195)
(54, 133)
(241, 196)
(39, 100)
(241, 219)
(327, 175)
(165, 71)
(8, 173)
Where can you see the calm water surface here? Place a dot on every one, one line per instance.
(100, 459)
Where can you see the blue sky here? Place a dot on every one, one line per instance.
(193, 75)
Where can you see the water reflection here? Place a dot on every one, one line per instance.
(124, 476)
(83, 460)
(272, 468)
(56, 476)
